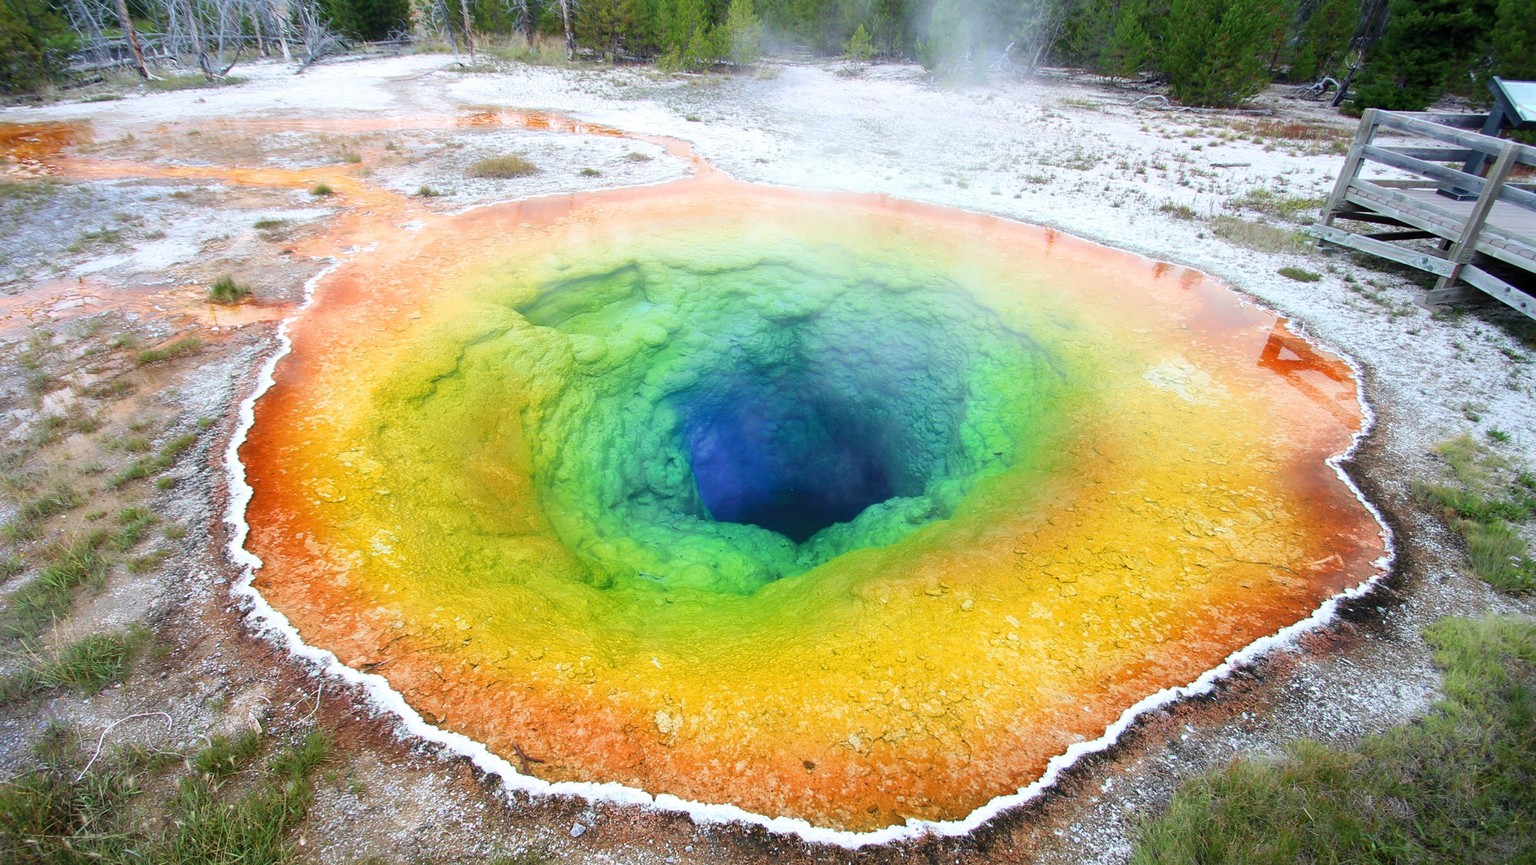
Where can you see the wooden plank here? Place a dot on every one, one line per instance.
(1466, 244)
(1424, 169)
(1408, 211)
(1499, 290)
(1411, 257)
(1521, 255)
(1515, 195)
(1470, 140)
(1450, 294)
(1403, 184)
(1363, 134)
(1433, 154)
(1460, 121)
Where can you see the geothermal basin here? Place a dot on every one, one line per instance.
(827, 507)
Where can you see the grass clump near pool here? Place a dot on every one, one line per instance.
(1483, 499)
(502, 167)
(1300, 274)
(66, 811)
(226, 290)
(88, 665)
(1454, 786)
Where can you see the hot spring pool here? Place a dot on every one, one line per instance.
(829, 507)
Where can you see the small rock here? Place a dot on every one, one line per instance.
(578, 830)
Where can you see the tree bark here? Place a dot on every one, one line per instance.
(194, 29)
(530, 21)
(469, 34)
(570, 38)
(133, 39)
(280, 17)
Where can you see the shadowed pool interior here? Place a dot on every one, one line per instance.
(777, 452)
(737, 424)
(824, 506)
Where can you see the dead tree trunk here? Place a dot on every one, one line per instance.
(530, 21)
(570, 38)
(133, 39)
(280, 20)
(195, 32)
(469, 33)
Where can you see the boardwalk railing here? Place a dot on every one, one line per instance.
(1484, 225)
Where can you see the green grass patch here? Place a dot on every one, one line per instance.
(321, 190)
(185, 345)
(1482, 500)
(225, 755)
(1452, 787)
(57, 500)
(502, 167)
(10, 566)
(1300, 274)
(57, 814)
(88, 665)
(1280, 206)
(51, 594)
(170, 83)
(132, 524)
(1257, 236)
(270, 224)
(226, 290)
(146, 466)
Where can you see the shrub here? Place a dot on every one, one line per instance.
(226, 290)
(503, 167)
(321, 190)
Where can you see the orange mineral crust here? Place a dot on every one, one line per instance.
(511, 465)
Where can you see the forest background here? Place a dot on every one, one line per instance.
(1396, 54)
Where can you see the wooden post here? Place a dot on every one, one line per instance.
(1351, 169)
(1461, 253)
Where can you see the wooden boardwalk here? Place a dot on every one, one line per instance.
(1476, 231)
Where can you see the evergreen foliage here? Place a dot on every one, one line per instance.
(1218, 51)
(1130, 47)
(1430, 46)
(34, 44)
(1324, 36)
(370, 20)
(858, 47)
(1514, 40)
(743, 37)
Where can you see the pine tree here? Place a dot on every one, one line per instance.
(1129, 46)
(742, 35)
(1514, 40)
(1429, 46)
(34, 44)
(1323, 41)
(1218, 51)
(858, 47)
